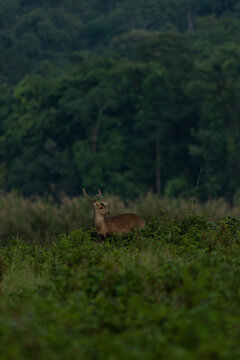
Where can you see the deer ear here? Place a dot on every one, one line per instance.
(106, 203)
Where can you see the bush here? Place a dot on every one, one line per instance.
(168, 291)
(41, 220)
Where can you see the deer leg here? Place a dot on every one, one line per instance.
(100, 238)
(138, 234)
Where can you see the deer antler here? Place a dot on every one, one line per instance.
(93, 200)
(100, 195)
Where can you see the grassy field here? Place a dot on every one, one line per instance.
(40, 220)
(172, 294)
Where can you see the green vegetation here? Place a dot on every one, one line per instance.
(140, 99)
(127, 96)
(172, 294)
(41, 220)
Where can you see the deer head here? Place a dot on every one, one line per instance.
(101, 206)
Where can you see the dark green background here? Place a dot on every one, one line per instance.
(128, 96)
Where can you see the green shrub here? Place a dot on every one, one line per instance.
(168, 291)
(41, 220)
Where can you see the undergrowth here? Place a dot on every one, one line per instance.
(172, 293)
(40, 220)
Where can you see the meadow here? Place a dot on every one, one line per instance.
(41, 219)
(173, 293)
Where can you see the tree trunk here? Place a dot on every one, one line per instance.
(95, 131)
(190, 20)
(158, 158)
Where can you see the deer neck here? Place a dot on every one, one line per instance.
(99, 222)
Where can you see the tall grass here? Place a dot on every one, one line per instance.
(41, 219)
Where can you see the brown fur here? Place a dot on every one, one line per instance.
(120, 224)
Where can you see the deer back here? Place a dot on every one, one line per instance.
(123, 223)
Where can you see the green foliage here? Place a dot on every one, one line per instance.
(123, 95)
(178, 187)
(40, 220)
(161, 295)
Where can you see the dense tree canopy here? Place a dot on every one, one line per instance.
(123, 95)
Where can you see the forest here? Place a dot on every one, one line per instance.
(129, 96)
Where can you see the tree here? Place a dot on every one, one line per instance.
(155, 114)
(216, 138)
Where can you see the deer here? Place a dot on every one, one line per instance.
(119, 224)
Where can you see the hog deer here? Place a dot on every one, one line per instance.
(118, 224)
